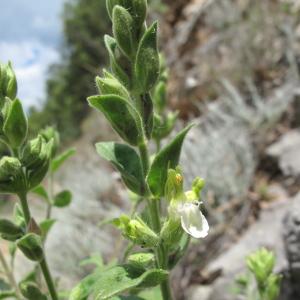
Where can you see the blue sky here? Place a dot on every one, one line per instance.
(30, 34)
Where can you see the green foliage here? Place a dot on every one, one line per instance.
(58, 161)
(122, 278)
(31, 246)
(127, 162)
(122, 116)
(123, 30)
(147, 67)
(137, 231)
(31, 292)
(260, 264)
(71, 80)
(8, 82)
(15, 125)
(62, 199)
(166, 159)
(10, 231)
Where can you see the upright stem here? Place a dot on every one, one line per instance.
(9, 274)
(48, 279)
(153, 207)
(43, 263)
(50, 193)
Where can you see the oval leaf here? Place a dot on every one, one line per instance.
(119, 279)
(62, 199)
(127, 162)
(122, 116)
(147, 65)
(167, 158)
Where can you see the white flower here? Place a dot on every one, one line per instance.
(193, 221)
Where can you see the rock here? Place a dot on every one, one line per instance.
(198, 292)
(286, 151)
(292, 244)
(266, 232)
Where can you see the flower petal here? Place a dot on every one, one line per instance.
(193, 221)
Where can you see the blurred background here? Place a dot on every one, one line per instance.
(234, 68)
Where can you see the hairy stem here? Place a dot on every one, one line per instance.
(50, 193)
(43, 263)
(154, 213)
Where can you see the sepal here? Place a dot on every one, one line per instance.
(15, 125)
(32, 247)
(147, 60)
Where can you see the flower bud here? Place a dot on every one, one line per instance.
(31, 152)
(48, 134)
(15, 125)
(31, 246)
(142, 260)
(36, 171)
(137, 231)
(111, 86)
(136, 8)
(30, 291)
(8, 82)
(10, 231)
(9, 168)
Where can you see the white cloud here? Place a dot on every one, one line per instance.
(30, 61)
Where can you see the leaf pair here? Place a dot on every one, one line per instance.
(128, 163)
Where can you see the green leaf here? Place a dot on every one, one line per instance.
(31, 292)
(10, 231)
(111, 86)
(167, 158)
(147, 60)
(60, 159)
(137, 9)
(127, 162)
(16, 125)
(62, 199)
(142, 260)
(41, 191)
(125, 277)
(122, 116)
(148, 114)
(46, 225)
(85, 287)
(111, 45)
(31, 246)
(123, 30)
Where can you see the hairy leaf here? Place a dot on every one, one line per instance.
(167, 158)
(127, 162)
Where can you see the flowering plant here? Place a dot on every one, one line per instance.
(22, 170)
(132, 97)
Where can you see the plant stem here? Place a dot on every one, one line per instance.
(144, 157)
(154, 212)
(48, 279)
(9, 274)
(43, 263)
(50, 193)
